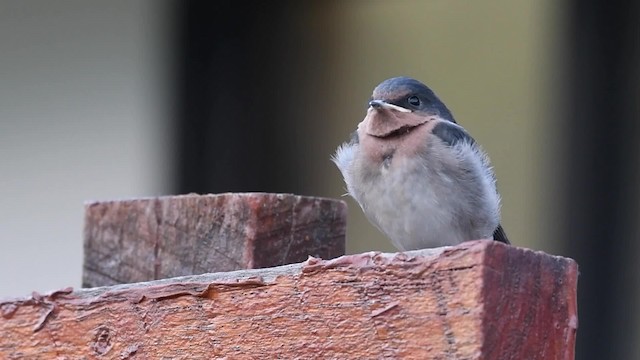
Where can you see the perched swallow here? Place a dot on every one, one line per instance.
(419, 177)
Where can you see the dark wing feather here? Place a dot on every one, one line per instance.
(499, 235)
(451, 133)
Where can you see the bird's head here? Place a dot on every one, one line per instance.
(400, 104)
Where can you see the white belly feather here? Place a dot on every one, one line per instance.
(422, 202)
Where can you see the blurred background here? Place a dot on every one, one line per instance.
(115, 99)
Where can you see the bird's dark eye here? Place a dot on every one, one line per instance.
(414, 100)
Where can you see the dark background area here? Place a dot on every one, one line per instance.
(230, 110)
(601, 187)
(244, 76)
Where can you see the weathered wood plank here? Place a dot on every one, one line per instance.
(155, 238)
(478, 300)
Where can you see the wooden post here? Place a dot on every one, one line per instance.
(478, 300)
(148, 239)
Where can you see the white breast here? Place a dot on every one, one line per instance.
(444, 196)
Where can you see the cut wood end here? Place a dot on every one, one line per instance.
(153, 238)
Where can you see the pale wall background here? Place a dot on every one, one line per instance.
(82, 117)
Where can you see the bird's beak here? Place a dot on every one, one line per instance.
(379, 104)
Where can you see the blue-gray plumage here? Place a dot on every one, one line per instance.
(419, 176)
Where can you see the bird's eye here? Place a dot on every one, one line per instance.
(414, 100)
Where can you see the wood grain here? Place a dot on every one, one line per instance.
(148, 239)
(478, 300)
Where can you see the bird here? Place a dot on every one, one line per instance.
(418, 176)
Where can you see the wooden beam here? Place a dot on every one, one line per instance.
(156, 238)
(478, 300)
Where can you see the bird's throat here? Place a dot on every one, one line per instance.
(403, 130)
(388, 123)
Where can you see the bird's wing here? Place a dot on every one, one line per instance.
(451, 133)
